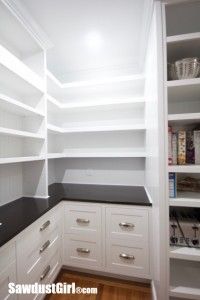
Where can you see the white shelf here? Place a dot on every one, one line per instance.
(187, 118)
(100, 128)
(186, 199)
(184, 169)
(95, 104)
(186, 253)
(80, 153)
(17, 107)
(184, 45)
(183, 37)
(15, 73)
(184, 82)
(183, 292)
(21, 159)
(20, 133)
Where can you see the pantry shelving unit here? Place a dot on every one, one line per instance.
(96, 119)
(182, 39)
(23, 140)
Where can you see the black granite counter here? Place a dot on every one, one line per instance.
(19, 214)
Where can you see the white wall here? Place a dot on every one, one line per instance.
(155, 162)
(125, 171)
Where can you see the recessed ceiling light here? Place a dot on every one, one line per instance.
(94, 40)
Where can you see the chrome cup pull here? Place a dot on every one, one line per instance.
(45, 246)
(126, 256)
(83, 250)
(82, 221)
(45, 225)
(126, 225)
(45, 273)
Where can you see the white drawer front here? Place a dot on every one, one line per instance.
(127, 260)
(6, 276)
(31, 258)
(81, 253)
(83, 219)
(7, 256)
(127, 224)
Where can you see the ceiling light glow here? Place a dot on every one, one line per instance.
(94, 40)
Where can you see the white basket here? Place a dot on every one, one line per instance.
(187, 68)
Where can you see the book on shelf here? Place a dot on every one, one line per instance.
(197, 146)
(183, 147)
(172, 185)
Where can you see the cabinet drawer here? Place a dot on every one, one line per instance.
(127, 224)
(81, 253)
(127, 260)
(6, 276)
(7, 256)
(31, 258)
(82, 219)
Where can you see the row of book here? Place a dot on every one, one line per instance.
(183, 147)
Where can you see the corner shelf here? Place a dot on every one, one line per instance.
(97, 154)
(20, 133)
(22, 159)
(186, 253)
(184, 168)
(18, 107)
(100, 128)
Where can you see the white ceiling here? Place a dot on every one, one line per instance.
(118, 26)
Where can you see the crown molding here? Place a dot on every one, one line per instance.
(25, 18)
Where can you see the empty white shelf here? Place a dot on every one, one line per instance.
(95, 104)
(17, 74)
(10, 160)
(95, 128)
(80, 153)
(185, 292)
(17, 107)
(187, 118)
(185, 253)
(186, 199)
(184, 45)
(20, 133)
(184, 169)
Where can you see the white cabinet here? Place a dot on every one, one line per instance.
(38, 251)
(7, 270)
(127, 241)
(83, 235)
(109, 238)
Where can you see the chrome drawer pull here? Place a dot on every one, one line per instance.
(126, 256)
(45, 225)
(82, 221)
(45, 246)
(126, 225)
(46, 271)
(83, 250)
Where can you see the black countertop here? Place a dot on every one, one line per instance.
(19, 214)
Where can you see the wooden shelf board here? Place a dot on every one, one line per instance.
(10, 160)
(17, 107)
(15, 72)
(186, 199)
(184, 168)
(95, 128)
(185, 292)
(20, 133)
(187, 118)
(97, 154)
(186, 253)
